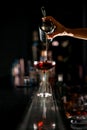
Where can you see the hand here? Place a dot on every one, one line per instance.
(59, 29)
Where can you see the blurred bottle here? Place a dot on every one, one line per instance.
(35, 44)
(33, 74)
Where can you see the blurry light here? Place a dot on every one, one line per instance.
(53, 125)
(25, 81)
(44, 94)
(60, 77)
(71, 121)
(40, 124)
(40, 94)
(44, 53)
(60, 58)
(53, 63)
(35, 126)
(43, 78)
(48, 94)
(15, 70)
(55, 43)
(65, 43)
(35, 62)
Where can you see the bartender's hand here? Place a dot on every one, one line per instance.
(59, 29)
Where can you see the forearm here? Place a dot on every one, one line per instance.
(80, 33)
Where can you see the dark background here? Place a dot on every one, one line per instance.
(18, 20)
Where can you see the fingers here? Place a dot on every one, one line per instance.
(51, 36)
(54, 21)
(48, 18)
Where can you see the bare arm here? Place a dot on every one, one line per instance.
(60, 30)
(80, 33)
